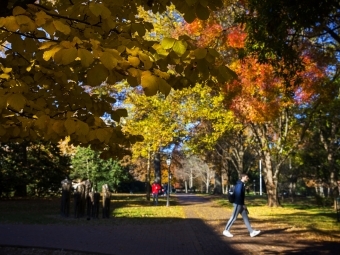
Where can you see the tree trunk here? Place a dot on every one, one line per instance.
(157, 166)
(147, 182)
(271, 182)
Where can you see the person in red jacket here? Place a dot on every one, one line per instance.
(155, 188)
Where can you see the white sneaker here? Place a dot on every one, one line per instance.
(227, 233)
(255, 233)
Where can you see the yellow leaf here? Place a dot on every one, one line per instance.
(58, 127)
(101, 134)
(147, 65)
(60, 26)
(98, 121)
(42, 121)
(96, 75)
(69, 55)
(2, 21)
(134, 51)
(22, 19)
(41, 18)
(6, 69)
(76, 40)
(11, 24)
(67, 44)
(49, 28)
(95, 9)
(150, 83)
(86, 57)
(134, 61)
(82, 128)
(69, 114)
(91, 135)
(106, 13)
(70, 126)
(18, 11)
(108, 60)
(46, 45)
(50, 53)
(16, 102)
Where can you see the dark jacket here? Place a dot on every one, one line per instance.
(239, 193)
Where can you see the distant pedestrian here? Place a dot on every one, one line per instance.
(155, 188)
(240, 208)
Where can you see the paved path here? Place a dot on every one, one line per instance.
(199, 234)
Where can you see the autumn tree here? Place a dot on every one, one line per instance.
(280, 30)
(55, 54)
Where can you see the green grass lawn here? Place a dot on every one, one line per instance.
(126, 208)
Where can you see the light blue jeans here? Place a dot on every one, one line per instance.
(238, 209)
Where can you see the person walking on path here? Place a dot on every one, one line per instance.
(155, 188)
(240, 208)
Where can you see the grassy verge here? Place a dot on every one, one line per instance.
(125, 209)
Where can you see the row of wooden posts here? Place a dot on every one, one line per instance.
(86, 202)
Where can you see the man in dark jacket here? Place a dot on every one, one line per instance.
(239, 207)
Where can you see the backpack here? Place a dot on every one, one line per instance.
(231, 195)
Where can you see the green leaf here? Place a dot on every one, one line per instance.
(168, 43)
(200, 53)
(180, 47)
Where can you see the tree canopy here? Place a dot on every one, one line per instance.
(55, 53)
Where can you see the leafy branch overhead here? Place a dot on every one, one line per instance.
(54, 53)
